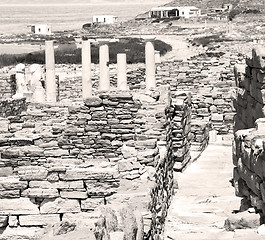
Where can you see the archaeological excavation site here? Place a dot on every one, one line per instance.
(171, 149)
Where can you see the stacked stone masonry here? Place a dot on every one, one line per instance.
(248, 153)
(61, 162)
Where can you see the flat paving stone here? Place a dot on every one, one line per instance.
(205, 198)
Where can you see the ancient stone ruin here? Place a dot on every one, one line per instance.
(98, 150)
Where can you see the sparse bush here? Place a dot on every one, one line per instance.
(133, 47)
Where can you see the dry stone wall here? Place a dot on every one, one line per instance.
(7, 85)
(63, 162)
(248, 153)
(250, 90)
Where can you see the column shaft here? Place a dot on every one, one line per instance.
(150, 65)
(104, 80)
(50, 72)
(122, 71)
(86, 70)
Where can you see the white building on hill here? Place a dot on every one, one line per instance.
(107, 19)
(43, 29)
(169, 12)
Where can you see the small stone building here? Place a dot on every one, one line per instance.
(107, 19)
(43, 29)
(169, 12)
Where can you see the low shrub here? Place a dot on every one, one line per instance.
(133, 47)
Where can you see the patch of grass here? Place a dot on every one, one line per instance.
(133, 47)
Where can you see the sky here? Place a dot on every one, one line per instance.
(11, 2)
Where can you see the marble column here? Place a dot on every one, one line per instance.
(86, 70)
(104, 79)
(50, 72)
(122, 71)
(150, 63)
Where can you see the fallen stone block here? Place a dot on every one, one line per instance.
(242, 220)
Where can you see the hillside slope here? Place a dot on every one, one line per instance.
(204, 4)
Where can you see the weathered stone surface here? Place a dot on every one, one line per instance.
(89, 173)
(10, 194)
(17, 206)
(101, 188)
(6, 171)
(242, 220)
(117, 235)
(18, 233)
(39, 220)
(93, 102)
(81, 194)
(128, 152)
(3, 221)
(63, 228)
(12, 183)
(58, 185)
(13, 221)
(59, 205)
(32, 173)
(83, 219)
(91, 203)
(41, 193)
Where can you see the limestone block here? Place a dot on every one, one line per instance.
(93, 102)
(83, 219)
(32, 173)
(17, 206)
(242, 220)
(18, 233)
(91, 203)
(82, 194)
(59, 205)
(239, 71)
(4, 125)
(89, 173)
(101, 188)
(10, 194)
(41, 193)
(258, 57)
(3, 221)
(12, 183)
(39, 220)
(117, 235)
(58, 185)
(217, 117)
(128, 165)
(13, 221)
(56, 153)
(260, 125)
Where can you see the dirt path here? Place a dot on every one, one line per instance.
(180, 48)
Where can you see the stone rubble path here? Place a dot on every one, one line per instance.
(205, 198)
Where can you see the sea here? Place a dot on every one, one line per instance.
(16, 18)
